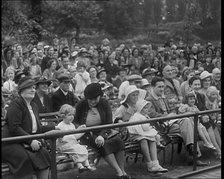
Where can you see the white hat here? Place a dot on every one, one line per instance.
(134, 77)
(141, 104)
(73, 54)
(46, 46)
(130, 89)
(216, 70)
(205, 74)
(211, 89)
(145, 82)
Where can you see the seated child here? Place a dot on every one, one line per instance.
(147, 136)
(189, 106)
(69, 144)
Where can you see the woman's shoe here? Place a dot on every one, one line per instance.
(156, 167)
(82, 169)
(161, 146)
(209, 146)
(90, 168)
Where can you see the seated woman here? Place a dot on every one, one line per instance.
(95, 110)
(29, 156)
(123, 114)
(41, 97)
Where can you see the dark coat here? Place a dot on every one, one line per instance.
(200, 101)
(112, 145)
(58, 99)
(19, 123)
(46, 107)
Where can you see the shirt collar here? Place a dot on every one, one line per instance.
(65, 93)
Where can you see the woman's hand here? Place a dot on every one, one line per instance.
(35, 145)
(99, 141)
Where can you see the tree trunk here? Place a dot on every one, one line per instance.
(36, 15)
(77, 33)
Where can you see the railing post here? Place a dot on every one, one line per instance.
(53, 159)
(195, 142)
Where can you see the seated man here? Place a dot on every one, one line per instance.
(63, 95)
(184, 127)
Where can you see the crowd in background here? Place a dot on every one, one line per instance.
(174, 78)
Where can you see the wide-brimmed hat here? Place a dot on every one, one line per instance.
(147, 71)
(43, 80)
(25, 82)
(93, 90)
(205, 74)
(134, 77)
(130, 89)
(63, 77)
(141, 104)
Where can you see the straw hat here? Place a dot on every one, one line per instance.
(205, 74)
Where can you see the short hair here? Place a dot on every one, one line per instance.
(155, 80)
(66, 109)
(8, 69)
(192, 79)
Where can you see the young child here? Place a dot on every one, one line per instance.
(9, 85)
(189, 106)
(68, 143)
(82, 79)
(146, 135)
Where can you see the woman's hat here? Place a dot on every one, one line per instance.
(145, 83)
(43, 80)
(130, 89)
(205, 74)
(212, 89)
(100, 71)
(25, 82)
(147, 71)
(141, 104)
(93, 90)
(134, 77)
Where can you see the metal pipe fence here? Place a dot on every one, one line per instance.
(53, 135)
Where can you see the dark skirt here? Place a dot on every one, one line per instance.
(112, 145)
(24, 162)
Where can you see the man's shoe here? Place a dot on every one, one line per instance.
(190, 149)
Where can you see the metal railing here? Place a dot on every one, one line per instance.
(53, 135)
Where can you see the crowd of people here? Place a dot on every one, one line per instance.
(80, 81)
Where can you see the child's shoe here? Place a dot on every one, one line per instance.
(90, 168)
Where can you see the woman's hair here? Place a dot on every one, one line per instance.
(187, 96)
(186, 72)
(92, 66)
(50, 62)
(192, 79)
(66, 109)
(8, 69)
(132, 53)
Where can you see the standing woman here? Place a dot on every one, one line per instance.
(93, 111)
(29, 156)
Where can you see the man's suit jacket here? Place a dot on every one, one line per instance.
(156, 106)
(169, 90)
(58, 99)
